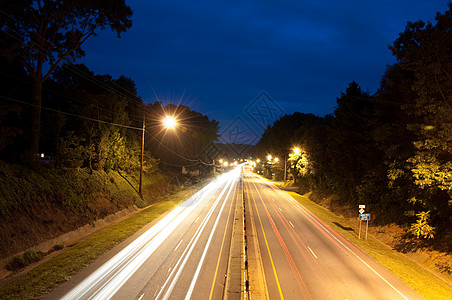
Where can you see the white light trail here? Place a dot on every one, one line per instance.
(308, 214)
(201, 261)
(186, 254)
(106, 281)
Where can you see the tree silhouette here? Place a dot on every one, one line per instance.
(42, 34)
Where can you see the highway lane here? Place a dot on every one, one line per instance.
(294, 255)
(184, 255)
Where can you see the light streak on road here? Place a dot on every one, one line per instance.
(341, 243)
(108, 279)
(184, 257)
(312, 252)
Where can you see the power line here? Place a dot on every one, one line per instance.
(73, 115)
(61, 94)
(109, 123)
(73, 68)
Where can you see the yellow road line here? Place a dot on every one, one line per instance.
(268, 248)
(260, 282)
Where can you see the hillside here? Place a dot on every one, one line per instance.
(42, 203)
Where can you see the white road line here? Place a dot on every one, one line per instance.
(178, 245)
(343, 245)
(312, 252)
(191, 245)
(106, 280)
(196, 220)
(291, 224)
(201, 261)
(280, 209)
(141, 297)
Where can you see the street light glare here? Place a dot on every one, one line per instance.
(169, 122)
(297, 150)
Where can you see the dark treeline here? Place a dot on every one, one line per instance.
(50, 105)
(184, 145)
(95, 121)
(391, 150)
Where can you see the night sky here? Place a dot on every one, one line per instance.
(244, 63)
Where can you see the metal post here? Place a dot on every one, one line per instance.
(359, 234)
(367, 227)
(140, 190)
(285, 167)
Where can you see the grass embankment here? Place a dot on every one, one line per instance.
(60, 268)
(39, 204)
(22, 188)
(422, 281)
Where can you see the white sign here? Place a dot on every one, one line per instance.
(362, 206)
(361, 210)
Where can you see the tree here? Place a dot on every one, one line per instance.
(43, 34)
(350, 145)
(424, 50)
(185, 144)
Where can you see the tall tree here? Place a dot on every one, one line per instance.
(350, 145)
(45, 33)
(425, 51)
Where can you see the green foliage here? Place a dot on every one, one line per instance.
(111, 149)
(392, 150)
(21, 261)
(71, 189)
(184, 144)
(422, 227)
(32, 256)
(49, 33)
(71, 153)
(17, 263)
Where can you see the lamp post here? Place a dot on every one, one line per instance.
(140, 190)
(168, 122)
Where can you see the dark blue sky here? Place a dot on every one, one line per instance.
(244, 63)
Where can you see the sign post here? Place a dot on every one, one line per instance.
(363, 217)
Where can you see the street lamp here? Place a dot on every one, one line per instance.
(169, 122)
(296, 151)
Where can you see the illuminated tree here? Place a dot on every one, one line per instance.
(424, 51)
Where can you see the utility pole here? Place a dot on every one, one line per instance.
(285, 167)
(140, 190)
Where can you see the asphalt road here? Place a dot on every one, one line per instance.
(191, 253)
(294, 255)
(184, 255)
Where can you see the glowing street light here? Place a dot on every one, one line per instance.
(269, 157)
(276, 159)
(169, 122)
(296, 150)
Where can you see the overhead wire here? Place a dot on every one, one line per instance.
(71, 114)
(99, 83)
